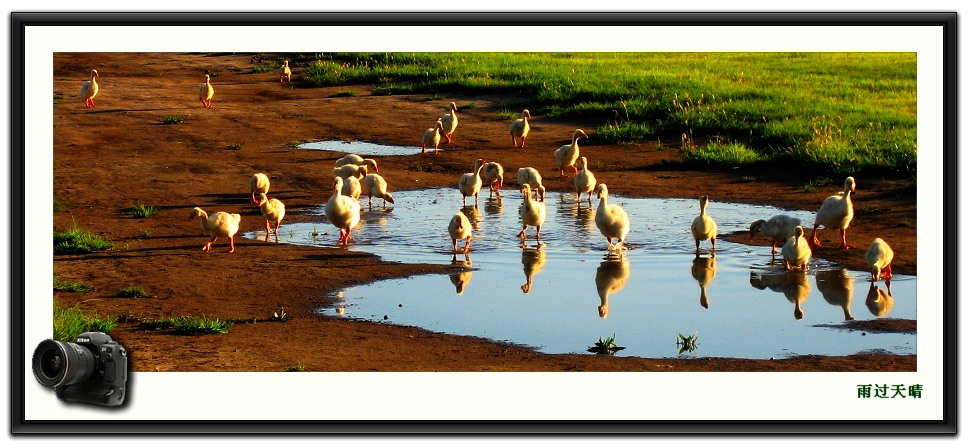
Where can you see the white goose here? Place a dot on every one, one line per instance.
(567, 154)
(258, 184)
(449, 123)
(375, 186)
(703, 226)
(470, 183)
(353, 158)
(89, 90)
(273, 210)
(879, 257)
(460, 229)
(796, 251)
(342, 211)
(532, 213)
(431, 137)
(352, 188)
(519, 128)
(206, 92)
(778, 228)
(585, 180)
(285, 72)
(350, 170)
(611, 219)
(531, 177)
(219, 224)
(836, 212)
(493, 174)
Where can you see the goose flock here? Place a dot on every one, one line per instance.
(352, 178)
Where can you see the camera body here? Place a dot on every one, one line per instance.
(94, 369)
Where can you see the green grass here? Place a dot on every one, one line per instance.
(142, 210)
(132, 292)
(717, 154)
(343, 93)
(144, 234)
(605, 346)
(815, 183)
(59, 206)
(506, 115)
(266, 67)
(296, 368)
(70, 287)
(840, 113)
(234, 146)
(188, 325)
(747, 179)
(467, 106)
(77, 241)
(71, 321)
(172, 119)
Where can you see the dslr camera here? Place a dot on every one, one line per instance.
(94, 369)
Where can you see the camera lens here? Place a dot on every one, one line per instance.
(58, 363)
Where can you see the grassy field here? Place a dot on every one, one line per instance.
(835, 112)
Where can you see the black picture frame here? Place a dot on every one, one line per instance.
(19, 21)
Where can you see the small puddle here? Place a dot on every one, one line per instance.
(363, 148)
(562, 294)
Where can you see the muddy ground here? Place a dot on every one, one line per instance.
(120, 153)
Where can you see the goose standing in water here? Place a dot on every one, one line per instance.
(567, 154)
(460, 228)
(531, 177)
(492, 174)
(470, 183)
(836, 212)
(89, 90)
(703, 226)
(879, 257)
(273, 210)
(532, 213)
(519, 128)
(431, 137)
(584, 181)
(342, 211)
(258, 184)
(796, 251)
(375, 186)
(611, 219)
(778, 228)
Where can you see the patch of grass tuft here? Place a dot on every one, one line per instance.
(142, 210)
(467, 106)
(188, 325)
(605, 346)
(172, 119)
(296, 368)
(70, 287)
(76, 241)
(813, 184)
(506, 115)
(267, 67)
(132, 292)
(144, 234)
(59, 206)
(717, 154)
(234, 146)
(71, 321)
(343, 93)
(687, 343)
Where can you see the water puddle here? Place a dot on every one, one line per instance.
(563, 294)
(362, 148)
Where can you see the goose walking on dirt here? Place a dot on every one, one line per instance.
(703, 226)
(778, 228)
(342, 211)
(285, 72)
(89, 90)
(273, 210)
(532, 213)
(206, 92)
(879, 257)
(531, 177)
(449, 123)
(836, 212)
(567, 154)
(470, 183)
(584, 181)
(460, 228)
(258, 184)
(611, 219)
(219, 224)
(431, 137)
(796, 251)
(519, 128)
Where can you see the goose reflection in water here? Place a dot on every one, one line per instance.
(792, 284)
(583, 218)
(474, 215)
(533, 259)
(493, 206)
(379, 217)
(879, 301)
(461, 279)
(610, 279)
(704, 270)
(837, 288)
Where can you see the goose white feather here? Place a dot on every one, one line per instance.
(460, 228)
(703, 226)
(350, 170)
(375, 186)
(258, 184)
(449, 123)
(611, 219)
(206, 92)
(532, 213)
(567, 154)
(531, 177)
(879, 257)
(470, 183)
(796, 251)
(352, 188)
(519, 128)
(431, 137)
(778, 228)
(836, 212)
(273, 210)
(342, 211)
(219, 224)
(89, 89)
(285, 72)
(584, 181)
(353, 158)
(492, 174)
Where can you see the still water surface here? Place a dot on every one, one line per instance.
(362, 148)
(561, 294)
